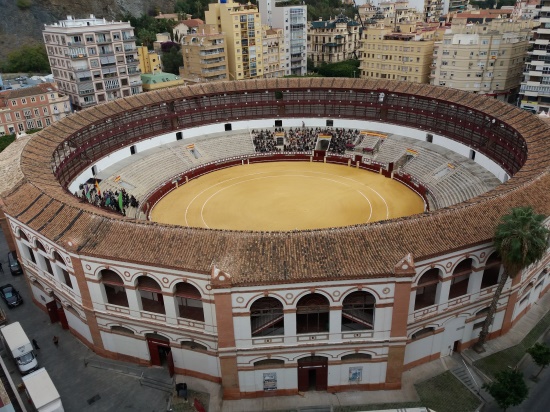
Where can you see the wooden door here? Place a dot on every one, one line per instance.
(52, 311)
(321, 381)
(303, 378)
(170, 362)
(62, 317)
(153, 352)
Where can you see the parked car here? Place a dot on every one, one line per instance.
(10, 295)
(15, 267)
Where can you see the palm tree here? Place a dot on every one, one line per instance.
(521, 240)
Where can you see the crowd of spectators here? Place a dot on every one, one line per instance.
(303, 139)
(117, 201)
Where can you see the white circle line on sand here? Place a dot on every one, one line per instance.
(271, 177)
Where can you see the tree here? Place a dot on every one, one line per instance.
(508, 388)
(147, 37)
(521, 240)
(172, 60)
(541, 356)
(31, 58)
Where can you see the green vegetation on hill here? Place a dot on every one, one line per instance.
(30, 58)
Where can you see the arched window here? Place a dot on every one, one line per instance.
(151, 295)
(58, 258)
(358, 311)
(122, 329)
(461, 277)
(60, 267)
(312, 314)
(23, 236)
(43, 258)
(266, 317)
(269, 363)
(188, 344)
(491, 271)
(422, 333)
(189, 302)
(357, 357)
(426, 290)
(114, 288)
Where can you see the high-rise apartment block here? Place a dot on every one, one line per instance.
(397, 52)
(535, 88)
(241, 25)
(293, 20)
(93, 60)
(485, 58)
(333, 41)
(32, 108)
(204, 55)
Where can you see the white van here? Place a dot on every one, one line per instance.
(42, 392)
(18, 344)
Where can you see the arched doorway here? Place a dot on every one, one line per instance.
(160, 351)
(312, 373)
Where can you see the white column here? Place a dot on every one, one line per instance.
(335, 323)
(290, 326)
(134, 302)
(170, 309)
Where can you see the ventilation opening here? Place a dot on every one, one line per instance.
(330, 123)
(429, 138)
(133, 150)
(94, 170)
(227, 127)
(278, 123)
(472, 154)
(179, 136)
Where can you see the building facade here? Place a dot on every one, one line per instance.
(204, 55)
(93, 61)
(333, 40)
(405, 54)
(271, 313)
(241, 25)
(535, 87)
(149, 61)
(275, 58)
(293, 20)
(32, 108)
(486, 58)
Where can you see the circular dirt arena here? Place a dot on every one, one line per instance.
(286, 196)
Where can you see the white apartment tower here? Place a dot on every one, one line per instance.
(293, 20)
(484, 58)
(535, 87)
(93, 60)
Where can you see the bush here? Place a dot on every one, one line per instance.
(6, 140)
(23, 4)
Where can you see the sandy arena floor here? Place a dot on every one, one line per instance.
(286, 196)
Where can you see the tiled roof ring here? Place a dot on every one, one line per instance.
(261, 258)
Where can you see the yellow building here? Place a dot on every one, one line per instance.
(204, 55)
(242, 27)
(149, 61)
(397, 52)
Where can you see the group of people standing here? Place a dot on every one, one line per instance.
(303, 139)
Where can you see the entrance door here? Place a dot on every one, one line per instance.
(62, 317)
(52, 311)
(312, 373)
(160, 352)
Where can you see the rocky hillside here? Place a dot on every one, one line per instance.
(22, 21)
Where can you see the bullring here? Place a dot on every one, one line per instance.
(276, 312)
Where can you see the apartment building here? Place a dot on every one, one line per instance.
(332, 41)
(204, 55)
(392, 11)
(535, 87)
(149, 61)
(486, 57)
(32, 108)
(241, 25)
(275, 58)
(93, 61)
(397, 52)
(292, 18)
